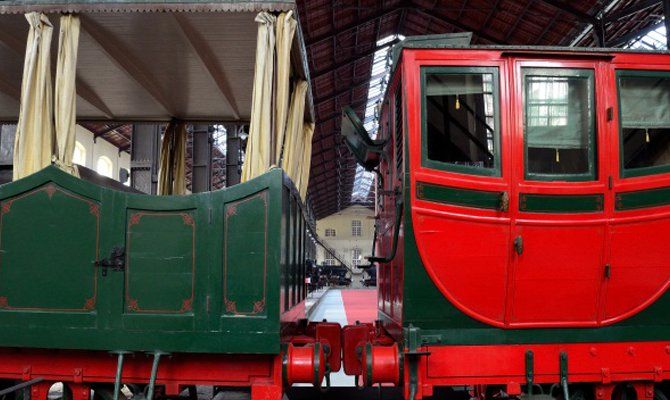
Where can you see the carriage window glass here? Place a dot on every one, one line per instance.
(461, 122)
(645, 122)
(559, 124)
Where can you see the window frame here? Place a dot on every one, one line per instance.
(108, 161)
(359, 226)
(82, 149)
(643, 171)
(356, 261)
(590, 73)
(328, 230)
(496, 170)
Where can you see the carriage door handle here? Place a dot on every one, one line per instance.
(518, 245)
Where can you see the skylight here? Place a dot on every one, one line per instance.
(381, 69)
(654, 40)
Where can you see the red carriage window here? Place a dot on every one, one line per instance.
(644, 100)
(461, 120)
(559, 124)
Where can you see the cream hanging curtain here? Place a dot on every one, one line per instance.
(303, 178)
(286, 26)
(172, 170)
(293, 144)
(34, 142)
(65, 100)
(257, 156)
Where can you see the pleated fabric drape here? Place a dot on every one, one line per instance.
(303, 177)
(258, 153)
(34, 140)
(294, 144)
(65, 99)
(172, 169)
(286, 26)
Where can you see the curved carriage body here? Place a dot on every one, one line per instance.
(534, 190)
(207, 278)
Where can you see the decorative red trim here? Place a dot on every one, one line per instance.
(6, 206)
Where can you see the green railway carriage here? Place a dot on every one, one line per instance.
(87, 267)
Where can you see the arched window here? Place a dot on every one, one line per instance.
(79, 156)
(105, 167)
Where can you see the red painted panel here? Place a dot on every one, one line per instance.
(587, 362)
(558, 276)
(468, 261)
(640, 263)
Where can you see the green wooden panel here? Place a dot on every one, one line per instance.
(245, 251)
(458, 196)
(49, 243)
(54, 227)
(642, 199)
(160, 248)
(545, 203)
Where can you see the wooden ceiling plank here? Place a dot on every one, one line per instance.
(83, 90)
(123, 58)
(8, 88)
(207, 58)
(91, 97)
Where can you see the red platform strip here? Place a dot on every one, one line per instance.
(79, 369)
(587, 362)
(360, 305)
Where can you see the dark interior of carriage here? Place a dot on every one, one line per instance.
(645, 104)
(559, 124)
(461, 119)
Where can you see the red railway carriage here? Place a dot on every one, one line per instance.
(524, 219)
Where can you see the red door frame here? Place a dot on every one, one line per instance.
(638, 62)
(413, 60)
(521, 185)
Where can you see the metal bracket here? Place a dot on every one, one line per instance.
(563, 367)
(413, 342)
(116, 260)
(530, 372)
(20, 386)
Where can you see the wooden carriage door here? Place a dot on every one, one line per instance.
(559, 225)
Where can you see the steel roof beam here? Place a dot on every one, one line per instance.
(105, 131)
(457, 24)
(582, 16)
(632, 9)
(207, 58)
(353, 60)
(123, 58)
(634, 35)
(353, 25)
